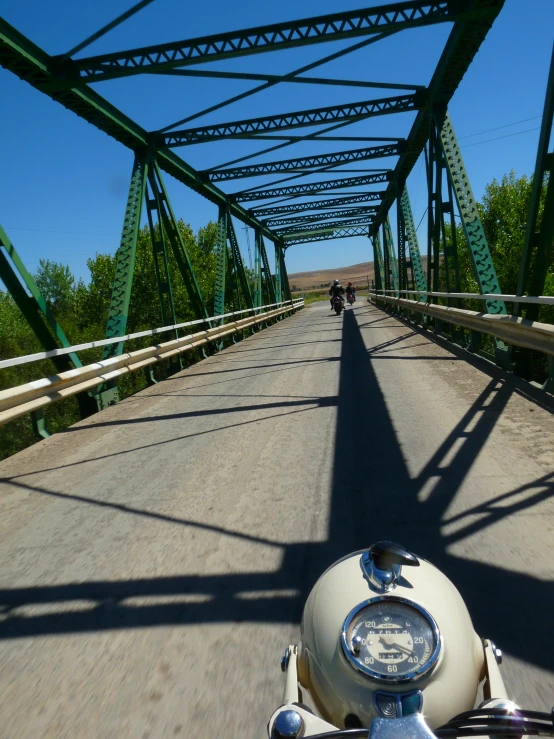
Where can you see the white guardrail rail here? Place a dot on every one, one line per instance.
(33, 396)
(511, 329)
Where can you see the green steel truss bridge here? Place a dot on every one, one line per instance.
(302, 199)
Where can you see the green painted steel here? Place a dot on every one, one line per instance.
(347, 213)
(389, 250)
(258, 285)
(278, 268)
(126, 254)
(305, 163)
(284, 276)
(221, 263)
(250, 127)
(339, 233)
(154, 209)
(268, 286)
(378, 264)
(338, 202)
(403, 282)
(29, 62)
(391, 18)
(463, 43)
(312, 228)
(28, 298)
(539, 238)
(413, 245)
(471, 221)
(240, 272)
(313, 188)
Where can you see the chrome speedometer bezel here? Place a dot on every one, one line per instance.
(409, 676)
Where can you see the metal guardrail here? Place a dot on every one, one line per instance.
(536, 299)
(34, 396)
(511, 329)
(26, 358)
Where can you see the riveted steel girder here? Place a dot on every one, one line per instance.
(315, 217)
(312, 187)
(339, 233)
(413, 244)
(390, 257)
(378, 262)
(299, 165)
(335, 26)
(287, 233)
(238, 264)
(278, 210)
(463, 43)
(248, 128)
(35, 66)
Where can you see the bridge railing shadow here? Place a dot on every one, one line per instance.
(373, 497)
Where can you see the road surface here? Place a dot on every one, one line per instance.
(155, 558)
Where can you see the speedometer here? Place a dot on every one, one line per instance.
(391, 639)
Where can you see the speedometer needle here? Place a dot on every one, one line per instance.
(394, 645)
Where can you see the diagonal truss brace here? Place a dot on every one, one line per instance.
(312, 188)
(413, 244)
(299, 165)
(350, 24)
(240, 272)
(378, 265)
(250, 127)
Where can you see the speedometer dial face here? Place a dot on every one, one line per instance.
(391, 639)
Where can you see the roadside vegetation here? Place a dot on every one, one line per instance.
(82, 308)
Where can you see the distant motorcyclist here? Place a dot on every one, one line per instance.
(336, 289)
(351, 291)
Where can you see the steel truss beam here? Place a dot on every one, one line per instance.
(463, 43)
(30, 301)
(239, 273)
(332, 27)
(315, 217)
(391, 264)
(339, 233)
(312, 188)
(278, 210)
(35, 66)
(378, 263)
(288, 233)
(315, 116)
(299, 165)
(407, 219)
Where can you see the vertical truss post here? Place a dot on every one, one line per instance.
(402, 262)
(285, 286)
(38, 315)
(472, 225)
(159, 248)
(258, 243)
(178, 246)
(378, 266)
(278, 280)
(221, 262)
(418, 273)
(268, 286)
(539, 238)
(123, 282)
(389, 248)
(238, 264)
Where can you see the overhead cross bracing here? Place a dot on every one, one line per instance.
(67, 79)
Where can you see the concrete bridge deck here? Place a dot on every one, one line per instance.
(155, 558)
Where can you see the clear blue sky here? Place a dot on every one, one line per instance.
(64, 184)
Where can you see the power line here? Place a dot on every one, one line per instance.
(506, 136)
(507, 125)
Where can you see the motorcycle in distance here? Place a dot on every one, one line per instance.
(338, 304)
(351, 298)
(387, 650)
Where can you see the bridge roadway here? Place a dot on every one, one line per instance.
(154, 558)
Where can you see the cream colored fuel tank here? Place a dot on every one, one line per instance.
(339, 689)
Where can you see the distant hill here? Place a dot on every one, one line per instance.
(357, 273)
